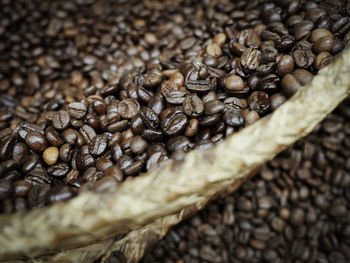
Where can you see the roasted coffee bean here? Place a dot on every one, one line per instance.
(303, 76)
(88, 133)
(290, 85)
(250, 58)
(303, 58)
(20, 152)
(53, 137)
(285, 65)
(85, 161)
(36, 141)
(234, 83)
(98, 145)
(138, 145)
(6, 147)
(193, 106)
(250, 116)
(324, 44)
(233, 118)
(106, 184)
(173, 121)
(128, 108)
(58, 170)
(259, 101)
(21, 188)
(61, 120)
(59, 193)
(198, 86)
(149, 118)
(214, 50)
(77, 110)
(213, 107)
(6, 189)
(322, 60)
(136, 125)
(277, 100)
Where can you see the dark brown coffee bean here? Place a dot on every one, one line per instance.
(138, 145)
(6, 147)
(85, 161)
(209, 121)
(6, 189)
(128, 108)
(98, 145)
(285, 65)
(198, 86)
(237, 48)
(323, 59)
(213, 107)
(193, 106)
(303, 58)
(259, 101)
(26, 127)
(290, 85)
(173, 121)
(88, 133)
(319, 33)
(36, 141)
(277, 100)
(297, 217)
(106, 184)
(21, 188)
(233, 118)
(303, 76)
(175, 97)
(61, 120)
(192, 128)
(77, 110)
(249, 116)
(59, 193)
(53, 137)
(20, 152)
(250, 58)
(58, 170)
(136, 125)
(234, 83)
(324, 44)
(149, 118)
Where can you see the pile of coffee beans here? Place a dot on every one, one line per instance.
(297, 209)
(93, 92)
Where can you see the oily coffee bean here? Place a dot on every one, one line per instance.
(213, 107)
(61, 120)
(77, 110)
(53, 137)
(193, 106)
(290, 85)
(36, 141)
(173, 121)
(259, 101)
(233, 118)
(149, 118)
(251, 58)
(6, 147)
(58, 170)
(322, 60)
(198, 86)
(303, 58)
(128, 108)
(234, 83)
(285, 65)
(98, 145)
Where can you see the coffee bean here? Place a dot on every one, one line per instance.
(322, 60)
(59, 193)
(233, 83)
(50, 155)
(138, 145)
(198, 86)
(259, 101)
(20, 152)
(233, 118)
(324, 44)
(193, 106)
(290, 85)
(98, 145)
(214, 50)
(277, 100)
(250, 116)
(53, 137)
(88, 133)
(214, 106)
(251, 58)
(77, 110)
(303, 58)
(303, 76)
(6, 189)
(6, 147)
(173, 121)
(285, 65)
(128, 108)
(36, 141)
(61, 120)
(85, 161)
